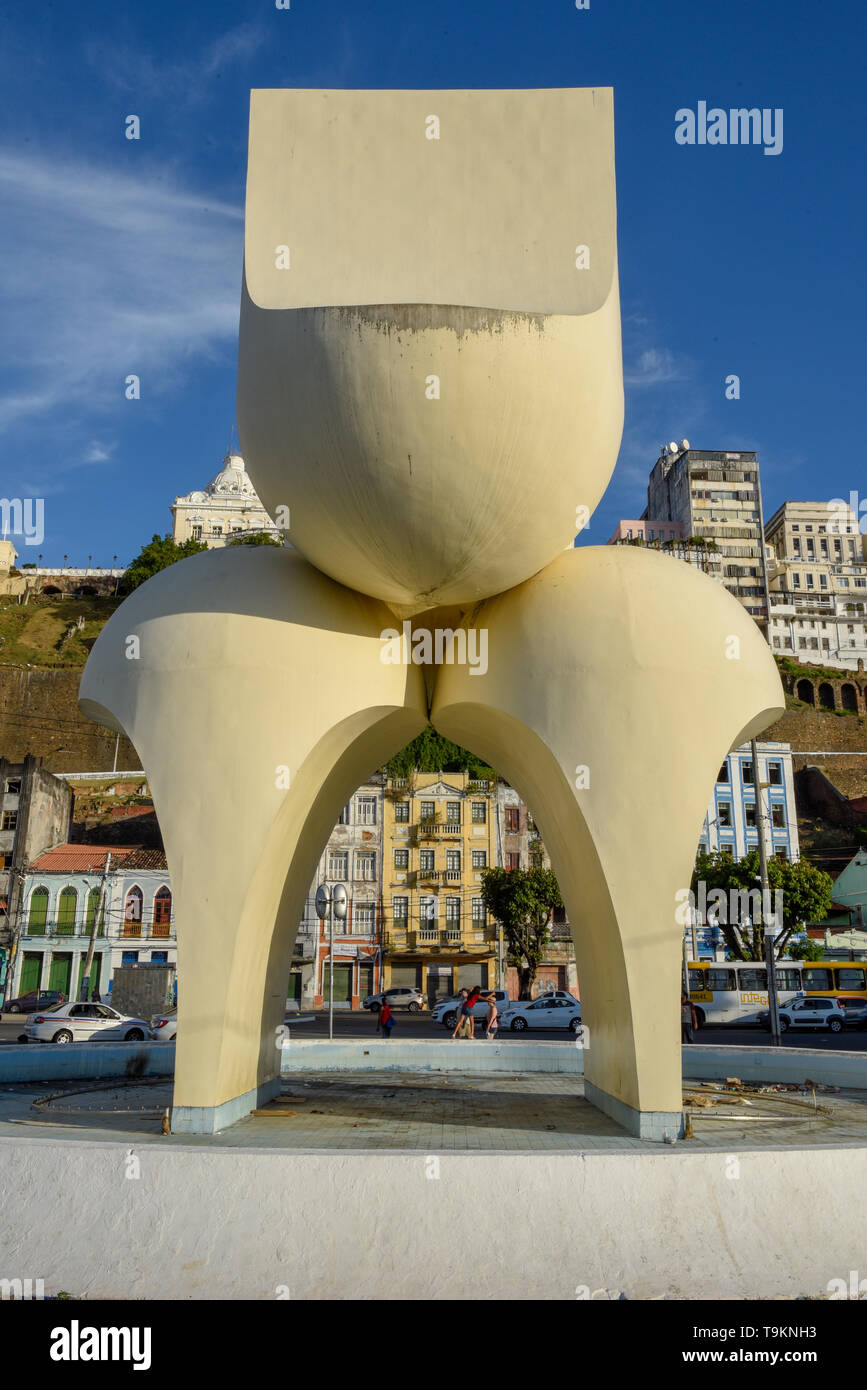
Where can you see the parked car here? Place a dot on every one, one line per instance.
(548, 1011)
(164, 1027)
(33, 1000)
(855, 1011)
(399, 997)
(807, 1013)
(85, 1023)
(446, 1011)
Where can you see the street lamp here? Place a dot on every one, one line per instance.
(331, 904)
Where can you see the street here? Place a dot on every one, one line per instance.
(361, 1024)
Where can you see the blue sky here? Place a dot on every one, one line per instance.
(125, 256)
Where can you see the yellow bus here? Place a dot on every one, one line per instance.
(736, 991)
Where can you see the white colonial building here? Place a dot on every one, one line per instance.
(65, 890)
(227, 508)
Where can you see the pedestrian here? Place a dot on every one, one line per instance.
(385, 1021)
(492, 1021)
(687, 1018)
(469, 1005)
(459, 1022)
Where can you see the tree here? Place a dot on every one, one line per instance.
(157, 555)
(255, 538)
(430, 752)
(806, 949)
(806, 897)
(523, 902)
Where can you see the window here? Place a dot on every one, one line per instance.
(809, 579)
(724, 813)
(362, 918)
(428, 809)
(216, 530)
(844, 583)
(401, 858)
(365, 867)
(750, 815)
(778, 816)
(796, 581)
(453, 910)
(796, 548)
(747, 773)
(162, 912)
(780, 852)
(753, 978)
(400, 909)
(453, 861)
(823, 581)
(723, 774)
(479, 911)
(159, 957)
(13, 786)
(338, 865)
(427, 860)
(132, 912)
(513, 861)
(480, 812)
(90, 913)
(775, 774)
(787, 978)
(367, 810)
(401, 811)
(10, 820)
(480, 859)
(197, 533)
(345, 815)
(38, 912)
(453, 812)
(513, 818)
(817, 979)
(850, 978)
(67, 908)
(721, 979)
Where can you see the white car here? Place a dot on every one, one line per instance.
(807, 1013)
(164, 1027)
(548, 1011)
(446, 1011)
(85, 1023)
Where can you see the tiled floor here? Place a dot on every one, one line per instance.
(365, 1112)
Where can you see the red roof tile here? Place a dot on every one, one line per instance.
(80, 859)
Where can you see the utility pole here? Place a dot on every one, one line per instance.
(88, 960)
(770, 963)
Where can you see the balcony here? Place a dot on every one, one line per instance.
(434, 828)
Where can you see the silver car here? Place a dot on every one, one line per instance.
(86, 1023)
(548, 1011)
(807, 1013)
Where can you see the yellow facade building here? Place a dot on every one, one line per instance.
(439, 835)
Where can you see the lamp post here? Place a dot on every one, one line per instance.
(769, 932)
(331, 904)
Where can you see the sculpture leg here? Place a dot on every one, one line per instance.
(617, 681)
(253, 689)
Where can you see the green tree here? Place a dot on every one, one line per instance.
(806, 949)
(158, 554)
(430, 752)
(256, 538)
(523, 902)
(806, 897)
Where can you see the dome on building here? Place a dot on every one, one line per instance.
(233, 478)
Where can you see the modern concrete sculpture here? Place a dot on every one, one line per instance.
(430, 383)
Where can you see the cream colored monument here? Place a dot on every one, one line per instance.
(430, 386)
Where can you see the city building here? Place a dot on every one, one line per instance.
(731, 823)
(66, 890)
(519, 846)
(35, 813)
(352, 857)
(817, 577)
(667, 536)
(716, 496)
(227, 508)
(439, 835)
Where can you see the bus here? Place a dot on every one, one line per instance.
(736, 991)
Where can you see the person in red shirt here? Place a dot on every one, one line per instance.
(472, 998)
(385, 1022)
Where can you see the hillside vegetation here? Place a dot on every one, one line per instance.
(35, 633)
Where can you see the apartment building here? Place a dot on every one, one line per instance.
(353, 858)
(439, 835)
(125, 890)
(731, 823)
(716, 497)
(35, 813)
(817, 577)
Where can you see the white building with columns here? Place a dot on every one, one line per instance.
(65, 890)
(227, 508)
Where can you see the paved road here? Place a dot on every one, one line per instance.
(363, 1025)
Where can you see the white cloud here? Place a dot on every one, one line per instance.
(135, 71)
(654, 367)
(108, 273)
